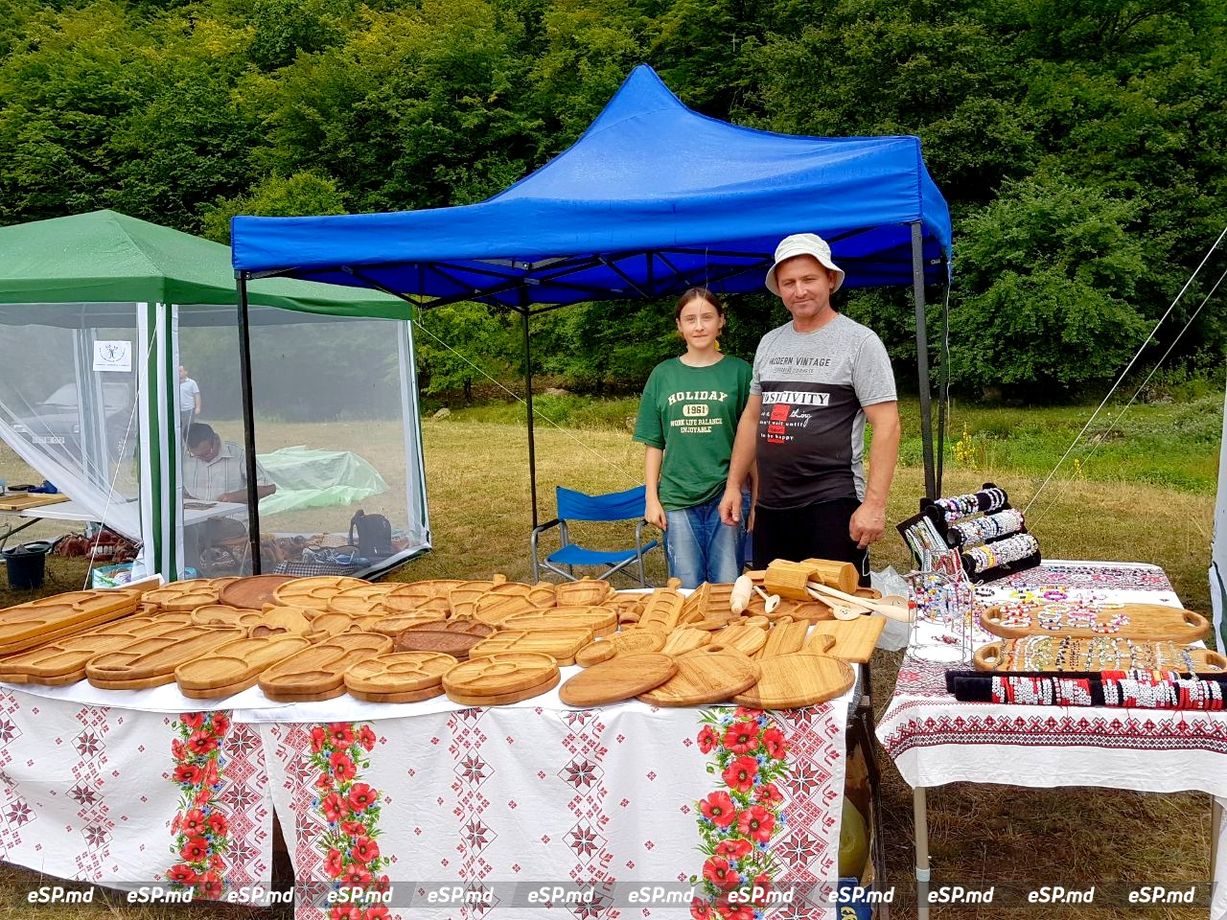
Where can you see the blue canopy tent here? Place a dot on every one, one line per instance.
(652, 199)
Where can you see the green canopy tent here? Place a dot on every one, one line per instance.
(97, 312)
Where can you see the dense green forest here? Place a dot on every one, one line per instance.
(1082, 145)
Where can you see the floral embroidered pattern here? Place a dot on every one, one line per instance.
(351, 809)
(737, 822)
(202, 831)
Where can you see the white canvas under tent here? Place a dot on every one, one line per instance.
(97, 314)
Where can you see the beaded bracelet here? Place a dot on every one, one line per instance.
(989, 527)
(1011, 549)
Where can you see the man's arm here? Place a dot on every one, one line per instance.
(742, 460)
(869, 520)
(196, 400)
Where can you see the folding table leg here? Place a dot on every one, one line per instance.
(920, 813)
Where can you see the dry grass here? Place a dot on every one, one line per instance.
(479, 500)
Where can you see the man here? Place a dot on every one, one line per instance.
(189, 400)
(216, 470)
(817, 379)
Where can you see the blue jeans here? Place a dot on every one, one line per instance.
(700, 548)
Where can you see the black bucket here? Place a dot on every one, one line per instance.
(27, 564)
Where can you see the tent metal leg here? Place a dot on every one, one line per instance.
(249, 428)
(528, 399)
(922, 358)
(920, 813)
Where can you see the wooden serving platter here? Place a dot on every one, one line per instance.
(361, 600)
(234, 666)
(663, 609)
(62, 662)
(254, 591)
(704, 676)
(282, 621)
(185, 595)
(318, 672)
(785, 637)
(315, 592)
(627, 642)
(151, 662)
(586, 592)
(796, 680)
(855, 640)
(49, 618)
(1085, 655)
(225, 615)
(396, 623)
(615, 681)
(560, 644)
(450, 637)
(1151, 622)
(463, 598)
(814, 611)
(600, 620)
(501, 678)
(399, 677)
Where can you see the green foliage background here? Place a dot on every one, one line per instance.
(1082, 145)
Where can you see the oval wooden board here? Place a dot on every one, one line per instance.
(560, 644)
(627, 642)
(620, 679)
(394, 624)
(600, 620)
(318, 672)
(254, 591)
(46, 619)
(504, 699)
(63, 662)
(796, 680)
(498, 675)
(314, 592)
(450, 637)
(704, 677)
(396, 673)
(586, 592)
(997, 656)
(1152, 622)
(234, 666)
(152, 662)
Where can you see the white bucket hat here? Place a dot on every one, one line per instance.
(803, 244)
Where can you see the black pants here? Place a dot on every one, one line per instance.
(813, 532)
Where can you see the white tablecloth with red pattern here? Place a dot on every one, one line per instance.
(934, 739)
(497, 801)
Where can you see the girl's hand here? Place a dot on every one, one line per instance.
(654, 513)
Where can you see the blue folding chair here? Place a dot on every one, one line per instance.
(576, 506)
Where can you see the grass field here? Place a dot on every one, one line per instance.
(1147, 495)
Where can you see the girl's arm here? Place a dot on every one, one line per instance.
(655, 512)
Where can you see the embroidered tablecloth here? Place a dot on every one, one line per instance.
(934, 739)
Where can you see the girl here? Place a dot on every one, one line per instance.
(688, 418)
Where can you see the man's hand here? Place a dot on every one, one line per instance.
(867, 525)
(730, 505)
(654, 513)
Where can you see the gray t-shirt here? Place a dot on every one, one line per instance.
(811, 430)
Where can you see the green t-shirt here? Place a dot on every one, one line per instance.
(691, 413)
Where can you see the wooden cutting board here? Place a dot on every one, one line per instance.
(314, 593)
(694, 607)
(627, 642)
(20, 501)
(501, 678)
(601, 621)
(855, 640)
(399, 677)
(234, 666)
(796, 680)
(450, 637)
(254, 591)
(63, 662)
(282, 621)
(785, 637)
(1152, 622)
(663, 609)
(318, 672)
(704, 677)
(49, 618)
(1009, 655)
(361, 600)
(560, 644)
(225, 615)
(682, 640)
(586, 592)
(151, 662)
(615, 681)
(185, 595)
(744, 637)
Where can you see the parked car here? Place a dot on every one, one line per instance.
(56, 423)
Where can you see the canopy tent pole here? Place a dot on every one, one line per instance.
(528, 399)
(249, 428)
(943, 397)
(922, 358)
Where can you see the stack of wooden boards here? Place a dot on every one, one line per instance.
(1119, 637)
(482, 643)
